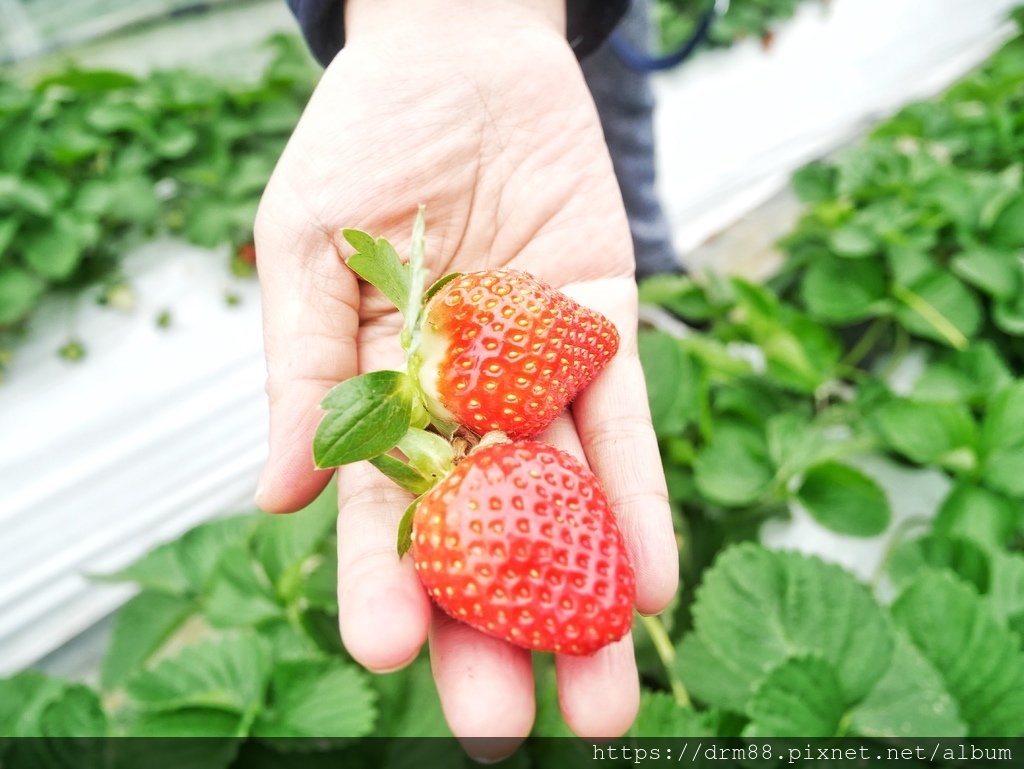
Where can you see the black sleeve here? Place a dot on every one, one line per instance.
(588, 23)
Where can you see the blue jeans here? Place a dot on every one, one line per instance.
(625, 103)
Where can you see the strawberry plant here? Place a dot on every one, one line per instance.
(94, 162)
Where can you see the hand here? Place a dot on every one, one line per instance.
(482, 115)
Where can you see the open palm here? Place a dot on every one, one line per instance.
(504, 148)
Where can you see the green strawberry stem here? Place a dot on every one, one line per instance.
(667, 653)
(417, 283)
(932, 316)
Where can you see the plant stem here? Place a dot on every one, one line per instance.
(935, 319)
(899, 351)
(897, 539)
(865, 343)
(667, 653)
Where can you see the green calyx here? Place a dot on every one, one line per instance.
(378, 415)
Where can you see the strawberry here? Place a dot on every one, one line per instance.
(519, 541)
(247, 253)
(502, 350)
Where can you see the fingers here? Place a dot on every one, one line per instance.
(310, 318)
(614, 425)
(485, 685)
(599, 695)
(383, 610)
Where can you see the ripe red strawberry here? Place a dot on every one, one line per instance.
(519, 541)
(247, 253)
(502, 350)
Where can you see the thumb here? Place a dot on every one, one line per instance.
(310, 319)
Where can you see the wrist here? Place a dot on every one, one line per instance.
(451, 23)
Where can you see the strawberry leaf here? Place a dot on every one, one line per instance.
(800, 697)
(318, 698)
(367, 415)
(141, 626)
(378, 264)
(845, 500)
(185, 566)
(755, 608)
(980, 661)
(660, 714)
(909, 700)
(229, 673)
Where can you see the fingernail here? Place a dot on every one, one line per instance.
(258, 496)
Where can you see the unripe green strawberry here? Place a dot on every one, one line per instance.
(519, 541)
(502, 350)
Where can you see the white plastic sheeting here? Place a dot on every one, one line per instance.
(157, 429)
(33, 26)
(731, 126)
(153, 432)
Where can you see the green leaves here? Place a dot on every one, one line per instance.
(1002, 440)
(20, 290)
(923, 221)
(980, 662)
(929, 432)
(845, 500)
(815, 183)
(318, 698)
(232, 638)
(977, 514)
(734, 469)
(802, 650)
(366, 416)
(660, 715)
(23, 698)
(184, 566)
(226, 674)
(140, 628)
(84, 154)
(377, 262)
(756, 609)
(910, 700)
(53, 252)
(938, 306)
(798, 698)
(993, 272)
(1008, 228)
(671, 378)
(835, 290)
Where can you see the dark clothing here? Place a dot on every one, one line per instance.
(588, 23)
